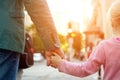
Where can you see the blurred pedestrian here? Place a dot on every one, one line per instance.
(12, 33)
(106, 53)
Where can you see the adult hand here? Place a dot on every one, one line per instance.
(50, 53)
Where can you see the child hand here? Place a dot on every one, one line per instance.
(55, 60)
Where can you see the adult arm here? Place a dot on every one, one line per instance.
(41, 17)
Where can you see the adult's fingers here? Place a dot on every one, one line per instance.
(48, 55)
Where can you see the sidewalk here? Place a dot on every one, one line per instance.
(42, 72)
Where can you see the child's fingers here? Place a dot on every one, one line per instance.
(53, 58)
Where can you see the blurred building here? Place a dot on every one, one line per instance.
(98, 25)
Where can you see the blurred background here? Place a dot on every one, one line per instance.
(80, 23)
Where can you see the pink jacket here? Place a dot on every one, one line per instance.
(107, 53)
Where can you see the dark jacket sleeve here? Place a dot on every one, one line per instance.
(41, 17)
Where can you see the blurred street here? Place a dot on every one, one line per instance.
(41, 72)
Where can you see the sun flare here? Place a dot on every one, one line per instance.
(64, 11)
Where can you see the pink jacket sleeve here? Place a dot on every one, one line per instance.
(84, 69)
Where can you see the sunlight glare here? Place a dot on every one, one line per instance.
(64, 11)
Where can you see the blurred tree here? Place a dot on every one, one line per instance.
(64, 42)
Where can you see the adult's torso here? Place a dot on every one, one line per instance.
(12, 25)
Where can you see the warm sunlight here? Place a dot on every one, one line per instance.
(64, 11)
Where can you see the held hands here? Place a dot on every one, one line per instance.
(55, 60)
(51, 53)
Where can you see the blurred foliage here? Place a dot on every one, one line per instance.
(37, 42)
(64, 42)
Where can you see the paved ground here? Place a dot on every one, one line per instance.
(41, 72)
